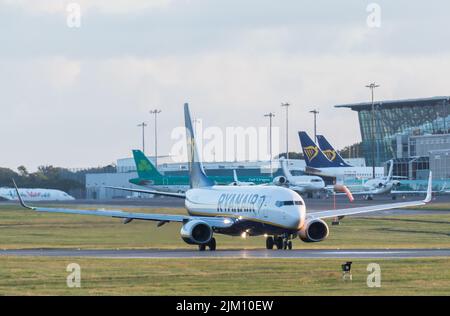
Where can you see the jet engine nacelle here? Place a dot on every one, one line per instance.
(280, 181)
(314, 231)
(396, 184)
(196, 232)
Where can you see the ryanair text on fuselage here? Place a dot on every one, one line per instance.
(249, 203)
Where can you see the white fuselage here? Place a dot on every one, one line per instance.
(380, 186)
(306, 184)
(385, 189)
(34, 195)
(265, 205)
(341, 173)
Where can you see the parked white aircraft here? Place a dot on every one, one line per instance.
(236, 181)
(35, 195)
(277, 212)
(302, 184)
(378, 186)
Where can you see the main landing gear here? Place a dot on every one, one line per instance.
(211, 245)
(279, 242)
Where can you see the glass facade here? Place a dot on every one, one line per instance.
(394, 118)
(440, 164)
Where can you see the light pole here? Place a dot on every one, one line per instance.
(372, 87)
(270, 116)
(156, 112)
(315, 112)
(287, 105)
(143, 125)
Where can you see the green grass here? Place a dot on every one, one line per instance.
(47, 276)
(434, 207)
(234, 277)
(27, 229)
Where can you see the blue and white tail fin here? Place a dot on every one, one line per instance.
(331, 154)
(197, 176)
(314, 157)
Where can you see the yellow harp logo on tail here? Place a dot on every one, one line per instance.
(311, 152)
(331, 154)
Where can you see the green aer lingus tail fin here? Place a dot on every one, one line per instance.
(144, 167)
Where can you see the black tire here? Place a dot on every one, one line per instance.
(202, 247)
(212, 244)
(285, 244)
(290, 245)
(279, 243)
(269, 243)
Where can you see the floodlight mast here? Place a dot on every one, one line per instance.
(372, 87)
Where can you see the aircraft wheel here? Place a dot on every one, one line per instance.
(212, 244)
(279, 243)
(269, 243)
(289, 245)
(202, 247)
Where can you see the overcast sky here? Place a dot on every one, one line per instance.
(72, 97)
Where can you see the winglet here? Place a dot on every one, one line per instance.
(429, 189)
(22, 203)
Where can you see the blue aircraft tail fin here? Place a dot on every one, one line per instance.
(331, 154)
(197, 176)
(314, 157)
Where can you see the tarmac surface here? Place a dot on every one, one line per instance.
(256, 254)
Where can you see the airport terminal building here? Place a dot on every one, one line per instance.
(415, 132)
(126, 170)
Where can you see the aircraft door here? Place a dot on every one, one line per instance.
(264, 207)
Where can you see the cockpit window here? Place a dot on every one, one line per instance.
(288, 203)
(316, 180)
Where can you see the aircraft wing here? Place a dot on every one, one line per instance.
(215, 222)
(177, 195)
(373, 208)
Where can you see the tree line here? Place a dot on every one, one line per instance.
(50, 177)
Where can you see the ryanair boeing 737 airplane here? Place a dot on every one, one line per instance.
(248, 210)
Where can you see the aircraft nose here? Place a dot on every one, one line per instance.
(298, 217)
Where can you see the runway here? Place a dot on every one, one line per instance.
(249, 254)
